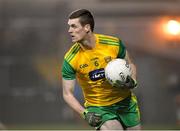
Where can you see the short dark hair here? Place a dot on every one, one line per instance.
(85, 17)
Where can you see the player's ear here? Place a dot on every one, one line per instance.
(87, 28)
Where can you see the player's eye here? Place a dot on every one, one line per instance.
(73, 26)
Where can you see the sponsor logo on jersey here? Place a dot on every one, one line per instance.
(97, 74)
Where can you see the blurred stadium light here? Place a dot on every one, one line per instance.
(173, 27)
(171, 33)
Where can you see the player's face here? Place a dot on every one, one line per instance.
(76, 30)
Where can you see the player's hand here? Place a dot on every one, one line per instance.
(129, 83)
(119, 84)
(92, 118)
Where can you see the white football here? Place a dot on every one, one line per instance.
(117, 69)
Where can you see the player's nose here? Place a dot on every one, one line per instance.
(70, 30)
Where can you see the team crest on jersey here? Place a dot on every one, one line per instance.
(107, 59)
(97, 74)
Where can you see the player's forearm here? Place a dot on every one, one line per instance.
(68, 89)
(73, 103)
(133, 67)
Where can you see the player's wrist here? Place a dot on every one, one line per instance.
(83, 114)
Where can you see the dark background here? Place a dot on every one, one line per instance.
(34, 38)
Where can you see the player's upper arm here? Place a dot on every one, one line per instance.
(123, 53)
(128, 58)
(68, 73)
(68, 78)
(122, 50)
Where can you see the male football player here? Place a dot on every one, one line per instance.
(106, 107)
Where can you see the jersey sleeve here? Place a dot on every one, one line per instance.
(68, 72)
(122, 50)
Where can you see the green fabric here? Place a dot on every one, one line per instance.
(72, 53)
(126, 112)
(68, 72)
(109, 42)
(122, 50)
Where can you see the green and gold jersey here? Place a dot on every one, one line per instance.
(88, 67)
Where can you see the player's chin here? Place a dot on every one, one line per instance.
(74, 40)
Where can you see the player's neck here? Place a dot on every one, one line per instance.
(89, 42)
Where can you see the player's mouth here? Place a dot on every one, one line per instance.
(73, 37)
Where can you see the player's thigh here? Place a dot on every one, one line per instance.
(111, 125)
(137, 127)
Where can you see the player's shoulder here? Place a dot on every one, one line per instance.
(72, 51)
(107, 37)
